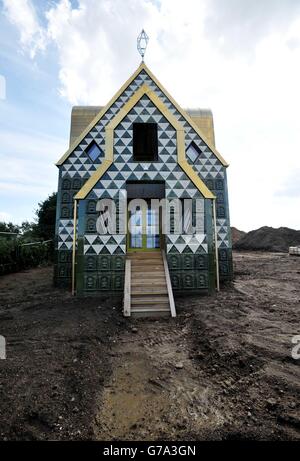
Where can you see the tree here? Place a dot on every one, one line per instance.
(46, 215)
(9, 227)
(42, 229)
(29, 230)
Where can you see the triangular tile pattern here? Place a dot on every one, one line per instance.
(222, 230)
(79, 164)
(166, 168)
(196, 243)
(104, 244)
(124, 168)
(65, 234)
(207, 165)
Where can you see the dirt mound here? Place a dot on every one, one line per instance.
(236, 234)
(269, 239)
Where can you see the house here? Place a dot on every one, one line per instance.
(147, 189)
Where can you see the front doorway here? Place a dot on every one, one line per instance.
(144, 230)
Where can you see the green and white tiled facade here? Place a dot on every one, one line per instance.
(100, 259)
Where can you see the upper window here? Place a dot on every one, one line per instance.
(145, 145)
(93, 151)
(193, 152)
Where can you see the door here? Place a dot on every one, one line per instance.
(143, 229)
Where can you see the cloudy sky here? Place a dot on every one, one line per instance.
(240, 58)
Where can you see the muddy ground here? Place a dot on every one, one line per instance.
(76, 369)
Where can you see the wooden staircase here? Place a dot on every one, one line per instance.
(148, 291)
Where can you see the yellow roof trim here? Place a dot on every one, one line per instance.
(186, 116)
(99, 116)
(141, 67)
(92, 181)
(109, 144)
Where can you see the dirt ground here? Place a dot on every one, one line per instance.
(58, 357)
(76, 369)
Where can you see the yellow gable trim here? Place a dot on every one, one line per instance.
(99, 116)
(92, 181)
(186, 116)
(141, 67)
(109, 144)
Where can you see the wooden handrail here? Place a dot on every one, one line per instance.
(127, 289)
(169, 285)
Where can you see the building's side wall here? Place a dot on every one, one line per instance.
(67, 188)
(224, 235)
(218, 186)
(214, 176)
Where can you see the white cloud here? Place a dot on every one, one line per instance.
(242, 59)
(27, 174)
(27, 163)
(93, 42)
(22, 14)
(6, 217)
(236, 26)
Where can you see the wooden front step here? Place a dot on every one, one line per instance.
(149, 299)
(143, 254)
(140, 313)
(151, 307)
(149, 292)
(154, 308)
(149, 258)
(153, 259)
(151, 282)
(150, 269)
(147, 286)
(147, 277)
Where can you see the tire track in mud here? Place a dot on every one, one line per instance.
(155, 390)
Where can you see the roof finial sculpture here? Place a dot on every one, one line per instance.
(142, 42)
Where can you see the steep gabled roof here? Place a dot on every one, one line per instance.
(96, 119)
(109, 144)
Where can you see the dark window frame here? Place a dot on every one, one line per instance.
(145, 142)
(196, 148)
(89, 148)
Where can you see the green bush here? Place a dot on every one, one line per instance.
(15, 255)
